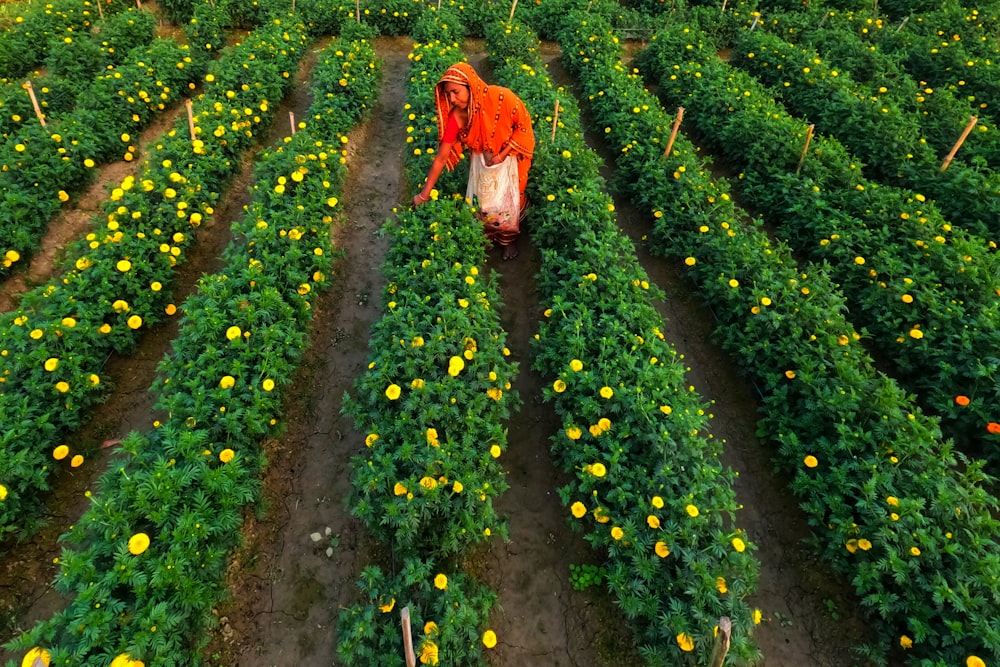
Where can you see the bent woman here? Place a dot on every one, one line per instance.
(495, 126)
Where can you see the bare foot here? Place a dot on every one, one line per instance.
(509, 251)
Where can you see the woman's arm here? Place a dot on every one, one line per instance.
(444, 150)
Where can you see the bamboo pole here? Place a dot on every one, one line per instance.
(357, 10)
(291, 120)
(293, 6)
(721, 642)
(513, 6)
(805, 148)
(753, 25)
(724, 6)
(100, 9)
(903, 23)
(961, 140)
(555, 120)
(673, 130)
(411, 659)
(34, 102)
(190, 112)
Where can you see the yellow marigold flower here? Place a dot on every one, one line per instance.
(733, 282)
(226, 455)
(617, 533)
(915, 551)
(227, 381)
(790, 375)
(906, 298)
(76, 461)
(134, 322)
(386, 608)
(757, 616)
(155, 286)
(905, 642)
(864, 544)
(607, 392)
(35, 654)
(720, 585)
(392, 392)
(595, 430)
(417, 341)
(974, 661)
(495, 451)
(60, 452)
(916, 334)
(51, 364)
(489, 639)
(661, 549)
(494, 393)
(597, 469)
(666, 409)
(62, 387)
(653, 521)
(63, 195)
(576, 365)
(685, 642)
(399, 489)
(559, 386)
(441, 582)
(578, 509)
(692, 511)
(233, 332)
(430, 627)
(604, 424)
(810, 461)
(573, 433)
(268, 384)
(138, 543)
(417, 383)
(428, 483)
(123, 265)
(428, 653)
(892, 500)
(455, 366)
(657, 502)
(457, 487)
(851, 545)
(690, 261)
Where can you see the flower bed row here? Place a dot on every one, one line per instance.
(877, 130)
(42, 166)
(928, 293)
(941, 112)
(890, 505)
(147, 561)
(432, 403)
(648, 488)
(53, 347)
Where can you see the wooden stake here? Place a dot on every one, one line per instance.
(961, 140)
(673, 130)
(291, 120)
(724, 6)
(100, 9)
(34, 102)
(293, 6)
(411, 659)
(138, 5)
(555, 120)
(439, 5)
(802, 158)
(721, 642)
(513, 6)
(902, 24)
(190, 111)
(756, 20)
(357, 10)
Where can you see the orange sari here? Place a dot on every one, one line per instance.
(497, 119)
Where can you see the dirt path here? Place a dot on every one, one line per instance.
(810, 616)
(27, 569)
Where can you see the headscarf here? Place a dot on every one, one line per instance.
(497, 118)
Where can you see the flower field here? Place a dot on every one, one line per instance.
(364, 413)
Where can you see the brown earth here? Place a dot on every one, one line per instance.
(287, 589)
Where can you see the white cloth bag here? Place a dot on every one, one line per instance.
(496, 189)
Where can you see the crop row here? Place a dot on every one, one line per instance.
(54, 345)
(432, 403)
(43, 165)
(941, 112)
(926, 291)
(648, 488)
(890, 505)
(147, 561)
(879, 131)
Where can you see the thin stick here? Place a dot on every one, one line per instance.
(439, 5)
(190, 111)
(802, 158)
(555, 121)
(34, 102)
(724, 6)
(293, 6)
(902, 24)
(513, 6)
(721, 642)
(673, 130)
(411, 659)
(823, 20)
(756, 20)
(291, 120)
(100, 9)
(357, 10)
(961, 140)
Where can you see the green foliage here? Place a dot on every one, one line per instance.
(582, 577)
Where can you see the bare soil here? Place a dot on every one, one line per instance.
(286, 590)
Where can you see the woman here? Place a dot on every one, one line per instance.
(493, 123)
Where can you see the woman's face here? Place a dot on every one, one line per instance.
(457, 95)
